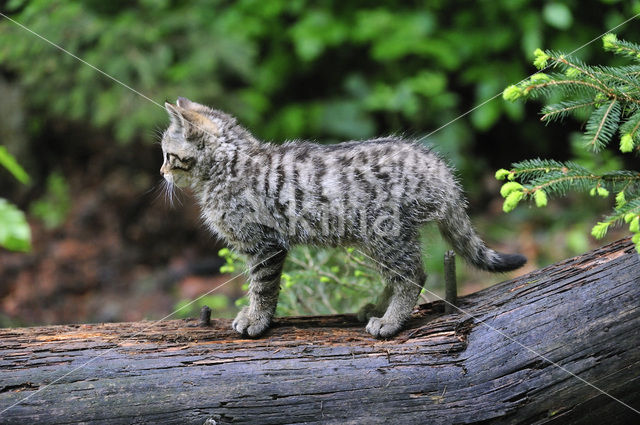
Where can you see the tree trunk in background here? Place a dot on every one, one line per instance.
(582, 314)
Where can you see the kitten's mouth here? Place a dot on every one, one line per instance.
(169, 178)
(178, 181)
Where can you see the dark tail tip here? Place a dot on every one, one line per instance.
(507, 262)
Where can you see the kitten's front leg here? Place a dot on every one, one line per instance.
(265, 268)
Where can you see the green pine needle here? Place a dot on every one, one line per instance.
(620, 199)
(634, 226)
(599, 230)
(511, 201)
(602, 125)
(541, 59)
(510, 187)
(501, 174)
(540, 197)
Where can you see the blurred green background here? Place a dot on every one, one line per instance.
(104, 246)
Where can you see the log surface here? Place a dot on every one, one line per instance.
(490, 364)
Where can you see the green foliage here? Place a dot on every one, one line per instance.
(541, 59)
(188, 308)
(540, 196)
(288, 69)
(318, 281)
(230, 258)
(11, 165)
(557, 15)
(15, 234)
(611, 95)
(54, 206)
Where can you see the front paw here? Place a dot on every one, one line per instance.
(383, 328)
(251, 324)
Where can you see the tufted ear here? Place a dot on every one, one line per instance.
(185, 103)
(174, 115)
(189, 121)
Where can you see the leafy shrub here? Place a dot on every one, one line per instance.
(317, 281)
(340, 280)
(291, 69)
(188, 308)
(15, 233)
(53, 207)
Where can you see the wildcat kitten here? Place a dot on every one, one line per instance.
(263, 198)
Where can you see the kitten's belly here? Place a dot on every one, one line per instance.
(322, 224)
(242, 229)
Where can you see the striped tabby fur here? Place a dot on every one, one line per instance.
(263, 198)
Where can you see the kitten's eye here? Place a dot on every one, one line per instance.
(183, 164)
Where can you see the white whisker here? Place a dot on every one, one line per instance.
(157, 133)
(170, 193)
(176, 194)
(159, 189)
(151, 189)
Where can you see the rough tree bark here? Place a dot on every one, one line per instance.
(583, 314)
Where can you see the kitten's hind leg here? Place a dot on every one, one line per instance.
(265, 268)
(403, 270)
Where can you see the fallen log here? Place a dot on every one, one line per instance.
(559, 345)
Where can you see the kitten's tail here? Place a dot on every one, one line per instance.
(456, 228)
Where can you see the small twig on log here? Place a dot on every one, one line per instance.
(450, 284)
(205, 316)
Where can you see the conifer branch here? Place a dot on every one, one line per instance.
(611, 43)
(602, 125)
(635, 128)
(534, 87)
(583, 69)
(561, 110)
(613, 95)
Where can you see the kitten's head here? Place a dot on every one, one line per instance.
(194, 128)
